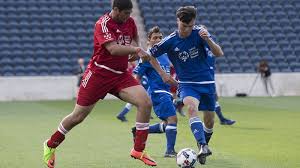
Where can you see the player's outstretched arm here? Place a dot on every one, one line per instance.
(165, 77)
(214, 47)
(120, 50)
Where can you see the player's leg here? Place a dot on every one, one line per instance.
(171, 134)
(157, 128)
(137, 96)
(92, 89)
(218, 110)
(165, 110)
(207, 105)
(126, 109)
(223, 120)
(194, 120)
(208, 117)
(197, 128)
(160, 105)
(77, 116)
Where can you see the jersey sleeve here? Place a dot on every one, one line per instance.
(160, 48)
(103, 32)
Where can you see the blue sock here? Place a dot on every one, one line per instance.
(157, 128)
(197, 130)
(219, 112)
(171, 133)
(208, 133)
(125, 110)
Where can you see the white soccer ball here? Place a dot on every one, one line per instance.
(186, 158)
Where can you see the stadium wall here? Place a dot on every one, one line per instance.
(285, 84)
(64, 87)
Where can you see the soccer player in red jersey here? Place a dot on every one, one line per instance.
(106, 73)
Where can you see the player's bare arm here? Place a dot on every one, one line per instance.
(165, 77)
(120, 50)
(215, 48)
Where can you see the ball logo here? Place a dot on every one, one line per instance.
(185, 154)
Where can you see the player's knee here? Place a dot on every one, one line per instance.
(192, 110)
(172, 120)
(146, 103)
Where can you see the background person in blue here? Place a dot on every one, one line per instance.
(186, 50)
(159, 92)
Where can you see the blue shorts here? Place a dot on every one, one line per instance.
(163, 105)
(204, 93)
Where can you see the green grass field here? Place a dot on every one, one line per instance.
(266, 135)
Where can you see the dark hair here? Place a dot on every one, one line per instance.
(154, 29)
(186, 13)
(122, 4)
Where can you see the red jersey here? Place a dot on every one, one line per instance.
(107, 30)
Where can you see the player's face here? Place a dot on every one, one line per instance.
(80, 61)
(155, 38)
(185, 29)
(123, 15)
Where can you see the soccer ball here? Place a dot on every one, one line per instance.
(186, 158)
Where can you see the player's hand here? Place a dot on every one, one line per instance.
(133, 57)
(203, 33)
(143, 55)
(168, 79)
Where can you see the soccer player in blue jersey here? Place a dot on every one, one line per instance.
(159, 92)
(186, 50)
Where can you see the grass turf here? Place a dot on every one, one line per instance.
(266, 135)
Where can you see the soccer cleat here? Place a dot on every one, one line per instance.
(203, 153)
(227, 122)
(122, 118)
(143, 157)
(49, 155)
(170, 154)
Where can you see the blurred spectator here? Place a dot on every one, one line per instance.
(80, 71)
(265, 72)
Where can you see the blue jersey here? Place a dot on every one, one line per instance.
(188, 55)
(155, 82)
(211, 61)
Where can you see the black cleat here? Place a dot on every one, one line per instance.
(170, 154)
(122, 118)
(227, 122)
(204, 151)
